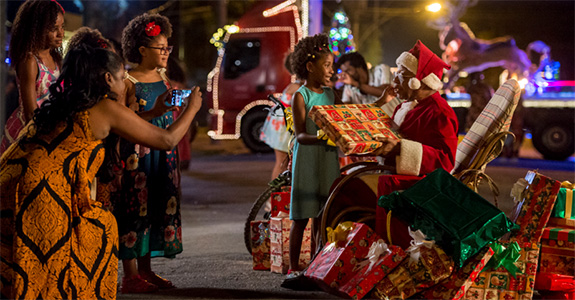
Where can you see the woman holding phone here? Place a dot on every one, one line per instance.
(145, 194)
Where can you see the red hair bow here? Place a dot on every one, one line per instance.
(152, 29)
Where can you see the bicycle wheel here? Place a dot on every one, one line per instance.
(256, 212)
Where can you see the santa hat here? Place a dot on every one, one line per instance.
(426, 66)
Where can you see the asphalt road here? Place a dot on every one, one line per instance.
(223, 180)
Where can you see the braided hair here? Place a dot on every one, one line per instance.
(308, 49)
(135, 34)
(33, 21)
(80, 86)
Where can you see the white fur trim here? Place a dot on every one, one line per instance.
(409, 162)
(433, 82)
(409, 61)
(414, 83)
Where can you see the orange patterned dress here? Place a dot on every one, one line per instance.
(56, 242)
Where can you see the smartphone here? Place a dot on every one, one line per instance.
(178, 96)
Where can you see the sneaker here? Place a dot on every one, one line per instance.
(137, 285)
(295, 280)
(157, 280)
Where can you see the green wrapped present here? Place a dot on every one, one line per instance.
(459, 220)
(564, 206)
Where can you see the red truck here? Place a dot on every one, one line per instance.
(248, 69)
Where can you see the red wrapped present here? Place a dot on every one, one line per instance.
(347, 245)
(536, 206)
(354, 127)
(260, 245)
(280, 203)
(380, 261)
(399, 235)
(510, 274)
(425, 266)
(554, 282)
(279, 245)
(558, 251)
(455, 286)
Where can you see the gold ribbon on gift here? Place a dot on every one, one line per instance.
(337, 236)
(568, 185)
(289, 119)
(504, 257)
(472, 177)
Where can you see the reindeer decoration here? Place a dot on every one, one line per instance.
(464, 52)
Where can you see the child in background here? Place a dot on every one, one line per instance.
(315, 164)
(274, 131)
(36, 53)
(147, 202)
(91, 37)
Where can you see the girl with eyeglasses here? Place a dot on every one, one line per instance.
(146, 194)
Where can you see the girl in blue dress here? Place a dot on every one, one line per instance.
(146, 199)
(315, 165)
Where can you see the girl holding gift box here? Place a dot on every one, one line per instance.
(315, 164)
(36, 53)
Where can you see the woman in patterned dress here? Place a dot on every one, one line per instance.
(57, 242)
(36, 53)
(146, 197)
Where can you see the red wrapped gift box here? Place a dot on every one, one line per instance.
(334, 265)
(455, 286)
(371, 273)
(539, 198)
(353, 127)
(280, 203)
(279, 245)
(260, 245)
(558, 251)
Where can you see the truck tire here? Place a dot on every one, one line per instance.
(554, 140)
(252, 124)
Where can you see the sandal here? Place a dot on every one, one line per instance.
(157, 280)
(137, 285)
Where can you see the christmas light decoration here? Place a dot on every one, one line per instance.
(341, 38)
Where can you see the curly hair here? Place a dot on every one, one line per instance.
(33, 21)
(308, 49)
(80, 86)
(134, 35)
(91, 37)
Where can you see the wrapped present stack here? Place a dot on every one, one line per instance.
(280, 227)
(511, 272)
(556, 276)
(353, 127)
(260, 244)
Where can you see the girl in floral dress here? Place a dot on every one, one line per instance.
(36, 53)
(146, 197)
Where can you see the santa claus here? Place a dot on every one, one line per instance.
(427, 124)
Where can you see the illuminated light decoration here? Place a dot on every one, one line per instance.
(278, 8)
(305, 17)
(341, 39)
(434, 7)
(216, 39)
(213, 76)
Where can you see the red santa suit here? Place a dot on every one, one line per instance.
(429, 135)
(428, 127)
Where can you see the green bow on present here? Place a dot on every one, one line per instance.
(505, 257)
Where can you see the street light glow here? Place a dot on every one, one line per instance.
(434, 7)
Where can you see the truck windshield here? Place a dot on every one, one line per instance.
(242, 55)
